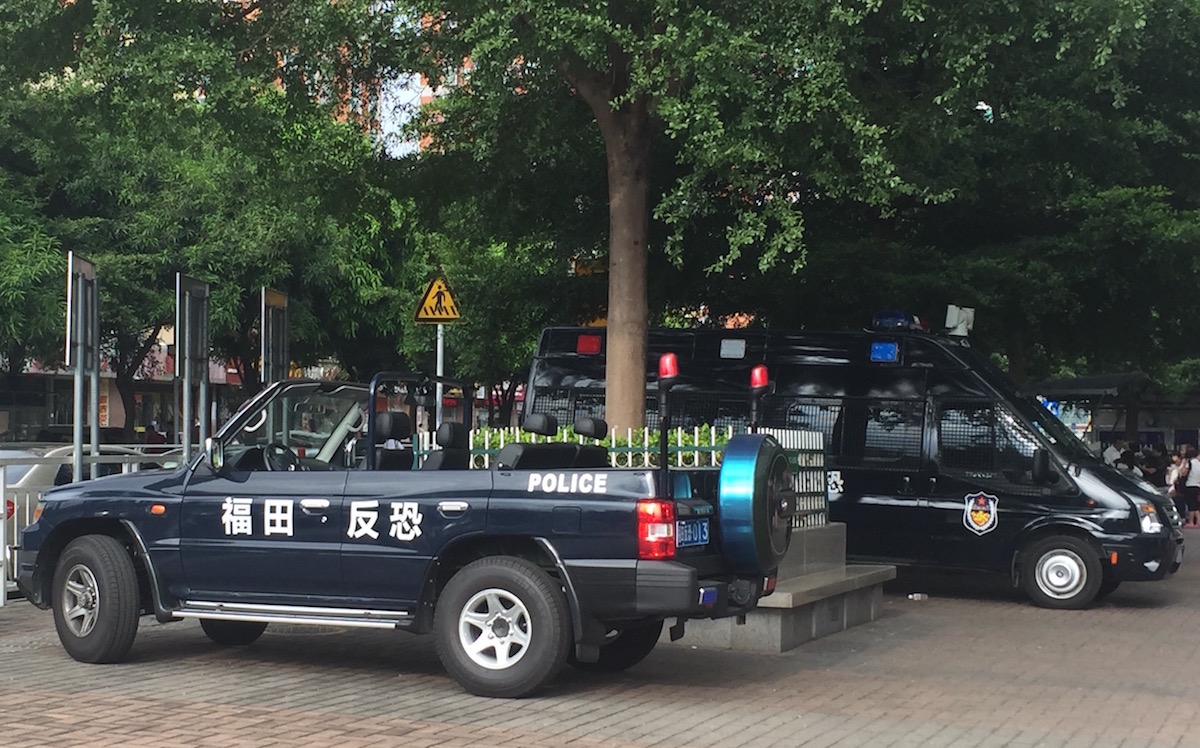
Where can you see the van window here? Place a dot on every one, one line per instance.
(878, 433)
(985, 437)
(894, 430)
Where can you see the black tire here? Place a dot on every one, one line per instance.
(232, 633)
(518, 606)
(95, 599)
(1107, 587)
(757, 496)
(623, 649)
(1061, 572)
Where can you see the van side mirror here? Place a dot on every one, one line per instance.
(214, 452)
(1043, 474)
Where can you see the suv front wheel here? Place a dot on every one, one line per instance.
(95, 599)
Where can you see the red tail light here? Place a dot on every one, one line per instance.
(10, 508)
(656, 529)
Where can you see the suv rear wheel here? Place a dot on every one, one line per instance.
(502, 627)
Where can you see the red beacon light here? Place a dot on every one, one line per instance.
(760, 378)
(587, 344)
(668, 366)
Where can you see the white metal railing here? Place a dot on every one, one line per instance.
(806, 448)
(639, 449)
(24, 500)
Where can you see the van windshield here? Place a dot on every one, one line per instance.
(1055, 432)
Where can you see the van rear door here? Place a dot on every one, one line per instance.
(878, 472)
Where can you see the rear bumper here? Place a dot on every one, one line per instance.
(623, 590)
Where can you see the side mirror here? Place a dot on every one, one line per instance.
(214, 452)
(1043, 474)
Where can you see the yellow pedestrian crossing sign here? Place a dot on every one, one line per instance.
(438, 304)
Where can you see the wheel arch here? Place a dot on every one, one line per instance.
(536, 550)
(121, 530)
(1079, 530)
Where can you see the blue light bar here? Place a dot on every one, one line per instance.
(884, 352)
(897, 320)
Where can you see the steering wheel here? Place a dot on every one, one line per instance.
(276, 456)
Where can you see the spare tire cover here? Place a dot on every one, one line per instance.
(754, 515)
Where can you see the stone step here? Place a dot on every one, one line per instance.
(809, 588)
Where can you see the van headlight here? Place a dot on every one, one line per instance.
(1148, 515)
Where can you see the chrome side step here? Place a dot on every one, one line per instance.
(301, 614)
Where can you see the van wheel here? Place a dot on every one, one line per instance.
(623, 649)
(1061, 572)
(95, 599)
(232, 633)
(502, 627)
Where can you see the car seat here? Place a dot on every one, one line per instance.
(455, 453)
(392, 425)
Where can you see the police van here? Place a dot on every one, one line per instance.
(935, 457)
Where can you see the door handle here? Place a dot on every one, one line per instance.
(452, 508)
(313, 506)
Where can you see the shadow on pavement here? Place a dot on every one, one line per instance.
(973, 585)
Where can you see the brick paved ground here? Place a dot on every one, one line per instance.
(972, 666)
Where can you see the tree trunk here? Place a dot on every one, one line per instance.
(627, 145)
(1017, 362)
(124, 383)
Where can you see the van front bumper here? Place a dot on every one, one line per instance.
(1145, 558)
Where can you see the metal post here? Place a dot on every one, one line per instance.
(186, 313)
(204, 408)
(92, 305)
(202, 363)
(83, 335)
(4, 535)
(80, 346)
(441, 371)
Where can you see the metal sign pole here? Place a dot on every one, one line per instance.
(186, 312)
(202, 349)
(191, 355)
(4, 535)
(77, 321)
(83, 349)
(438, 305)
(274, 336)
(441, 371)
(92, 314)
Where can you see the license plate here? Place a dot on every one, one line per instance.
(691, 532)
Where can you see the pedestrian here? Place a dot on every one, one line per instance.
(1154, 467)
(1114, 452)
(1175, 487)
(1189, 469)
